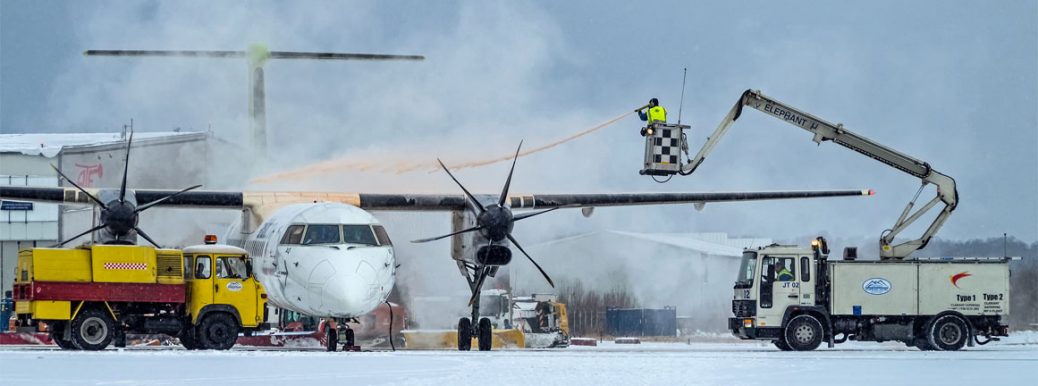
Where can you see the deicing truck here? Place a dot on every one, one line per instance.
(91, 295)
(797, 298)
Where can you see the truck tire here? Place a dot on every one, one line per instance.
(486, 335)
(218, 331)
(93, 329)
(804, 333)
(781, 344)
(57, 334)
(189, 338)
(464, 334)
(948, 333)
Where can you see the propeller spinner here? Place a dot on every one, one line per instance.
(494, 222)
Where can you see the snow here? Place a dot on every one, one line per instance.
(720, 362)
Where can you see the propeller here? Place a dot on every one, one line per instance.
(494, 221)
(119, 216)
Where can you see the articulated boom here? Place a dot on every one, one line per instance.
(825, 131)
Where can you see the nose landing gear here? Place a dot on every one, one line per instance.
(334, 335)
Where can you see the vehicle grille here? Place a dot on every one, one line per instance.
(169, 265)
(744, 308)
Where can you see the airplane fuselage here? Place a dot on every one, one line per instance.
(321, 259)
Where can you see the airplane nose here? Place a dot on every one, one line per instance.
(347, 295)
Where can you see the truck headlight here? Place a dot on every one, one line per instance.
(747, 323)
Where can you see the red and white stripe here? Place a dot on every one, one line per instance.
(127, 266)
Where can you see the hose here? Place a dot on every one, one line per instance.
(390, 325)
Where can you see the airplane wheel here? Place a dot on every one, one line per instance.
(351, 340)
(464, 334)
(331, 338)
(486, 336)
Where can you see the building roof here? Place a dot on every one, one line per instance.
(51, 144)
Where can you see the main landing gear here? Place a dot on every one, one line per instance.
(483, 331)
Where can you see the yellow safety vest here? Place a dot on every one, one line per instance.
(657, 113)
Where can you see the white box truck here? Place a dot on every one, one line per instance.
(797, 298)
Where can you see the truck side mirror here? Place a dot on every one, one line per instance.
(770, 276)
(248, 269)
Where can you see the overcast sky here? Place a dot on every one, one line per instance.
(952, 83)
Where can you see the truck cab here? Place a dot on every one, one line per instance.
(771, 282)
(220, 278)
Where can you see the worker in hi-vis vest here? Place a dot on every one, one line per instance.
(653, 113)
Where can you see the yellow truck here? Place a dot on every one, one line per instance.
(91, 295)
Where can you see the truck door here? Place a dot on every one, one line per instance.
(200, 287)
(233, 286)
(780, 288)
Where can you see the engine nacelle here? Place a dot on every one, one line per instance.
(494, 255)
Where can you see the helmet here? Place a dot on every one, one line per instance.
(654, 102)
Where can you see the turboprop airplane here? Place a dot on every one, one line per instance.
(325, 255)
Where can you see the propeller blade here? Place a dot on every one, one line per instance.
(470, 196)
(189, 53)
(126, 169)
(504, 192)
(340, 56)
(145, 235)
(475, 228)
(99, 227)
(479, 283)
(99, 203)
(527, 215)
(520, 247)
(159, 201)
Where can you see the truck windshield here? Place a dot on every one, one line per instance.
(746, 269)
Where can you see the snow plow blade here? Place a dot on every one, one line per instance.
(448, 339)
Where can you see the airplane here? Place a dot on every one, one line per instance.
(324, 254)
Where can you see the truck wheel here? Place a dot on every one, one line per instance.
(218, 331)
(781, 344)
(923, 345)
(464, 334)
(486, 334)
(93, 329)
(188, 338)
(57, 334)
(804, 333)
(948, 333)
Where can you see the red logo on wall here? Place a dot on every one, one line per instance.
(87, 174)
(955, 278)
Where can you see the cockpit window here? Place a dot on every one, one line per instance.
(321, 234)
(294, 235)
(382, 236)
(358, 234)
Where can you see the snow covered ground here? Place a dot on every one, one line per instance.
(1011, 361)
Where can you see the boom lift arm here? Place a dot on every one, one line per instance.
(825, 131)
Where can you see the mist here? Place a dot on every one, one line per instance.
(955, 86)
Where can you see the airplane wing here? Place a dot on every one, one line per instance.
(410, 202)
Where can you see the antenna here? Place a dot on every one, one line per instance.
(681, 106)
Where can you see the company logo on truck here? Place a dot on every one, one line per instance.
(876, 286)
(955, 278)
